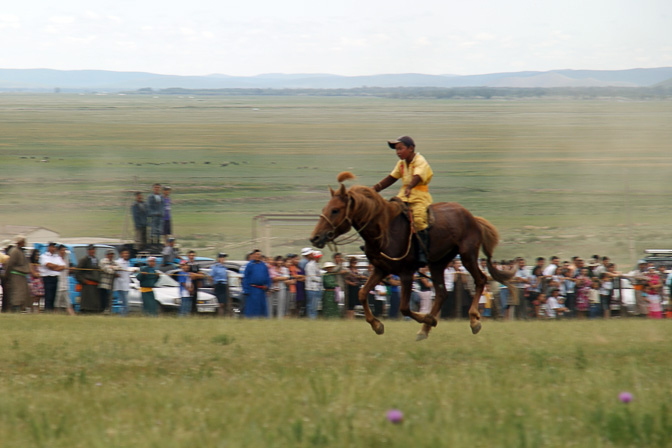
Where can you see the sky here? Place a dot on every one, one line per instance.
(347, 37)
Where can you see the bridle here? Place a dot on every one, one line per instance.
(346, 239)
(333, 244)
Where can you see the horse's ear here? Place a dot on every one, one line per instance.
(342, 192)
(332, 192)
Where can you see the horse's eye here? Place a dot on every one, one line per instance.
(334, 211)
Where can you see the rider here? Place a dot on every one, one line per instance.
(415, 174)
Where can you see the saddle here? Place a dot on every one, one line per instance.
(405, 212)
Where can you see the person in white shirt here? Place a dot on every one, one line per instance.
(50, 266)
(63, 291)
(313, 286)
(122, 282)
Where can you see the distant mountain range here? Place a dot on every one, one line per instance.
(36, 80)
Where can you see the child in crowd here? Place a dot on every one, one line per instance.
(583, 287)
(606, 291)
(186, 288)
(594, 299)
(555, 305)
(485, 303)
(653, 289)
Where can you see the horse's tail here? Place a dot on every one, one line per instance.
(490, 238)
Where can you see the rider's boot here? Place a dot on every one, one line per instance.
(423, 247)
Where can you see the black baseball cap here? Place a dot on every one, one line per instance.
(406, 140)
(222, 255)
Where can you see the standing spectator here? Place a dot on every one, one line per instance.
(664, 292)
(17, 270)
(5, 246)
(569, 283)
(50, 266)
(353, 280)
(139, 211)
(329, 285)
(394, 284)
(301, 295)
(606, 292)
(256, 281)
(169, 253)
(653, 288)
(313, 285)
(109, 269)
(155, 214)
(283, 283)
(148, 276)
(449, 282)
(522, 282)
(425, 290)
(167, 228)
(340, 272)
(293, 271)
(602, 268)
(549, 271)
(88, 276)
(639, 280)
(595, 309)
(184, 279)
(583, 286)
(220, 281)
(122, 282)
(63, 290)
(196, 278)
(35, 282)
(272, 293)
(305, 253)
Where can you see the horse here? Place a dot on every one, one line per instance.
(390, 247)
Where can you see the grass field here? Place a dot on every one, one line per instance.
(168, 382)
(564, 177)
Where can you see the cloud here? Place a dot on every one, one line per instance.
(61, 20)
(9, 21)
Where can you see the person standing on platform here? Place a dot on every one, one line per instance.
(139, 212)
(256, 281)
(155, 214)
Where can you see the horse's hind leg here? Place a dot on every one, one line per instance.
(470, 262)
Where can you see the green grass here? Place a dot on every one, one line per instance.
(565, 177)
(168, 382)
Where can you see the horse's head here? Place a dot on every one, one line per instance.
(334, 220)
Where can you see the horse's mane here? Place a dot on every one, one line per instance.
(372, 208)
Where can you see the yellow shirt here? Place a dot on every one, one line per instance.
(406, 171)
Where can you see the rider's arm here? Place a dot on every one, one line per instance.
(383, 184)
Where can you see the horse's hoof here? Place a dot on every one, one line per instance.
(421, 336)
(430, 320)
(475, 328)
(380, 328)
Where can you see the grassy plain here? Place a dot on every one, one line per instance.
(566, 177)
(168, 382)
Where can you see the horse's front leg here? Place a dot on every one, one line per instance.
(371, 283)
(405, 306)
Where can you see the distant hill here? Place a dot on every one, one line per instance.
(109, 81)
(667, 83)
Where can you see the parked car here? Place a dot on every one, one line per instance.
(628, 294)
(659, 257)
(167, 295)
(235, 284)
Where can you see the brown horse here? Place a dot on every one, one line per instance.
(390, 246)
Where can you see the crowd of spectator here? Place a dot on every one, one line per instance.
(304, 285)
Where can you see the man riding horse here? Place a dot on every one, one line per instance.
(415, 173)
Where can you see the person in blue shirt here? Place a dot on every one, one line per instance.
(220, 281)
(256, 281)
